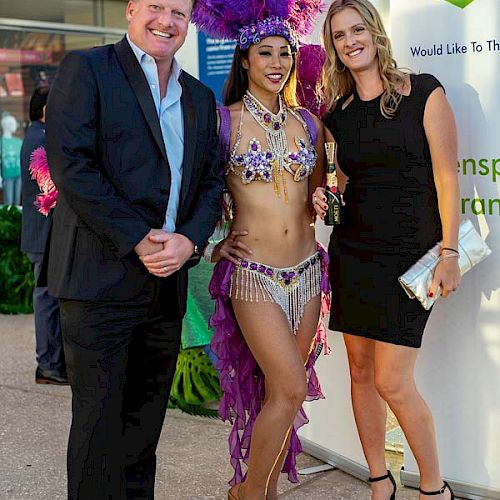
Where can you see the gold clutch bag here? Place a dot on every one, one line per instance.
(417, 280)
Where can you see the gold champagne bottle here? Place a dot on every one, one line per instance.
(332, 217)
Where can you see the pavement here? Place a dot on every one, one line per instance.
(192, 453)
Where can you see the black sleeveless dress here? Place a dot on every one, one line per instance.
(390, 219)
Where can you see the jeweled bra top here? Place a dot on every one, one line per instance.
(266, 165)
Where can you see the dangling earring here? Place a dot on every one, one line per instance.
(341, 70)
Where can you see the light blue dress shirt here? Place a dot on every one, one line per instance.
(172, 125)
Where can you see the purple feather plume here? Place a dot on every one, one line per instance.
(309, 65)
(225, 18)
(303, 15)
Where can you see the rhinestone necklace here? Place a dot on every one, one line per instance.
(274, 126)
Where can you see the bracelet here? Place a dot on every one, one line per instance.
(448, 256)
(451, 250)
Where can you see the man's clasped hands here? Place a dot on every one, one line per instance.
(164, 253)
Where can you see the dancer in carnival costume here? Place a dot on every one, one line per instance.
(397, 144)
(271, 274)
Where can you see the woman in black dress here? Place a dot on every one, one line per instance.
(397, 147)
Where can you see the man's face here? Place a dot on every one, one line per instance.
(158, 27)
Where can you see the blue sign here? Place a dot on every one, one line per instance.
(214, 62)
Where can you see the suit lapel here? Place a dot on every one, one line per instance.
(190, 130)
(139, 84)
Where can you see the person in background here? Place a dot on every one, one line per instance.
(397, 145)
(10, 167)
(51, 366)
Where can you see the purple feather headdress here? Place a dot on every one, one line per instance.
(250, 21)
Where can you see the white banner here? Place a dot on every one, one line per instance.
(458, 371)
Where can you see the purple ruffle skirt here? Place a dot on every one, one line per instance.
(241, 380)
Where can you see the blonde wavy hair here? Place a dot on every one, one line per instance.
(338, 81)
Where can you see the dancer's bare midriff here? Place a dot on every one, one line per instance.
(280, 233)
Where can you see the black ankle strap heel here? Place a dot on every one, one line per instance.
(438, 492)
(384, 477)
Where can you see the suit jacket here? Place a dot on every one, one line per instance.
(35, 226)
(107, 158)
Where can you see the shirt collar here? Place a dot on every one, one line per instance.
(140, 55)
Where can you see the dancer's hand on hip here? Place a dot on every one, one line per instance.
(232, 249)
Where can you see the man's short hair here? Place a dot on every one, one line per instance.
(38, 101)
(193, 4)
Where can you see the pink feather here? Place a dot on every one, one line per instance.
(46, 202)
(39, 170)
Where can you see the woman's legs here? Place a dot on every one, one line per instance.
(383, 372)
(266, 331)
(304, 337)
(369, 410)
(394, 379)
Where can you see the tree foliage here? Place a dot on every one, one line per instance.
(16, 274)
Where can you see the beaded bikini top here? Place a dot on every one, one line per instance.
(268, 165)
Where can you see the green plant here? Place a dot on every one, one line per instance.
(16, 275)
(195, 384)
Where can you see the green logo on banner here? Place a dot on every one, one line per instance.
(460, 3)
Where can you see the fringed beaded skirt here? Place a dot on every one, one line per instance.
(241, 379)
(292, 287)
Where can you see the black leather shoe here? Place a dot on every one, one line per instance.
(49, 377)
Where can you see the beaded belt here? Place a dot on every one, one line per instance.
(291, 287)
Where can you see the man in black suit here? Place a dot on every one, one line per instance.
(133, 150)
(51, 368)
